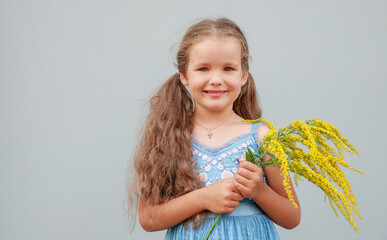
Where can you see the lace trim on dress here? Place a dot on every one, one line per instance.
(227, 144)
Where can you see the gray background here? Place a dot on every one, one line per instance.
(75, 77)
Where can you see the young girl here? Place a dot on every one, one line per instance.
(190, 163)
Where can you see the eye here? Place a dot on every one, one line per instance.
(228, 69)
(203, 69)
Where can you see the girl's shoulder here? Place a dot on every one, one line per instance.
(261, 131)
(257, 130)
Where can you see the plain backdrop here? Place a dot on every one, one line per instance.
(76, 76)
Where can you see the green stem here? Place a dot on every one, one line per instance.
(267, 163)
(213, 225)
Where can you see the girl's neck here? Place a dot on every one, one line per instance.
(214, 129)
(212, 119)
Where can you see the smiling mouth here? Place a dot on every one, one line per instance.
(213, 93)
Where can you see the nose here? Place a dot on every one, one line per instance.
(216, 78)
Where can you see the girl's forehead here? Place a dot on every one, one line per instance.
(217, 39)
(226, 48)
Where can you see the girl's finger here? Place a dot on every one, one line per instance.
(250, 166)
(237, 197)
(241, 180)
(242, 188)
(248, 175)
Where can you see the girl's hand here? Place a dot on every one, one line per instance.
(222, 196)
(248, 179)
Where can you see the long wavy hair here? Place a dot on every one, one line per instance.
(163, 162)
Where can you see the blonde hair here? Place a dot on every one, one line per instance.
(163, 159)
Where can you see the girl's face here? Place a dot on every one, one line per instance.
(214, 74)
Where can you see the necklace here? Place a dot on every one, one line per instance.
(209, 133)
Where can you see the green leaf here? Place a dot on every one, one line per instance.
(249, 155)
(249, 151)
(272, 156)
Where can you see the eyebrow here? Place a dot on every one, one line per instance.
(206, 64)
(231, 63)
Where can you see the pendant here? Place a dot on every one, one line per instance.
(209, 134)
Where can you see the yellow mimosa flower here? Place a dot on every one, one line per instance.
(303, 148)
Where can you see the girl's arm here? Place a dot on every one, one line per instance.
(221, 197)
(274, 201)
(272, 198)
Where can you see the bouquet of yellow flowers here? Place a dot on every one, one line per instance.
(304, 149)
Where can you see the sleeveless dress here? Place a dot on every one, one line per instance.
(247, 221)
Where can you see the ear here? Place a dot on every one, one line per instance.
(183, 80)
(245, 76)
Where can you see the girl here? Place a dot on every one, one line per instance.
(190, 163)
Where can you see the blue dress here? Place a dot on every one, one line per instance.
(247, 221)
